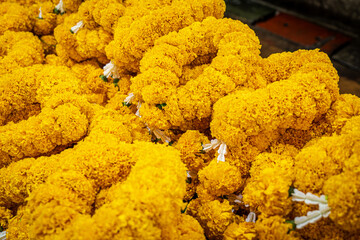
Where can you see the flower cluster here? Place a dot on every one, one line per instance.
(148, 119)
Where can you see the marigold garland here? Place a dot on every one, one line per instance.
(160, 120)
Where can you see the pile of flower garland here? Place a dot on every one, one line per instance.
(128, 119)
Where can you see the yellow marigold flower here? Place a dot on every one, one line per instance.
(127, 127)
(214, 217)
(164, 20)
(192, 182)
(5, 216)
(189, 228)
(321, 160)
(269, 192)
(342, 110)
(19, 49)
(352, 126)
(343, 197)
(45, 21)
(148, 4)
(95, 88)
(190, 147)
(117, 102)
(108, 159)
(14, 104)
(148, 113)
(218, 179)
(272, 160)
(240, 231)
(49, 44)
(14, 17)
(55, 204)
(105, 13)
(190, 72)
(167, 58)
(285, 149)
(18, 225)
(84, 44)
(37, 85)
(42, 133)
(274, 228)
(268, 114)
(145, 214)
(22, 177)
(281, 66)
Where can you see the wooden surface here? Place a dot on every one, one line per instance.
(272, 43)
(279, 32)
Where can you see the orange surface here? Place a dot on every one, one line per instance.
(308, 34)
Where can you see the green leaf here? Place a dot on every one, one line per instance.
(56, 11)
(160, 106)
(115, 82)
(291, 190)
(188, 180)
(1, 229)
(202, 150)
(184, 210)
(71, 31)
(224, 197)
(293, 225)
(171, 143)
(104, 78)
(126, 104)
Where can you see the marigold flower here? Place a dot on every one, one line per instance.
(14, 17)
(19, 49)
(190, 145)
(214, 216)
(274, 228)
(343, 198)
(218, 179)
(240, 231)
(268, 192)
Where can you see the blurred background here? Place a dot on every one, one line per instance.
(331, 25)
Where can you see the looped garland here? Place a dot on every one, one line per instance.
(62, 119)
(254, 119)
(19, 49)
(134, 34)
(78, 41)
(92, 190)
(236, 50)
